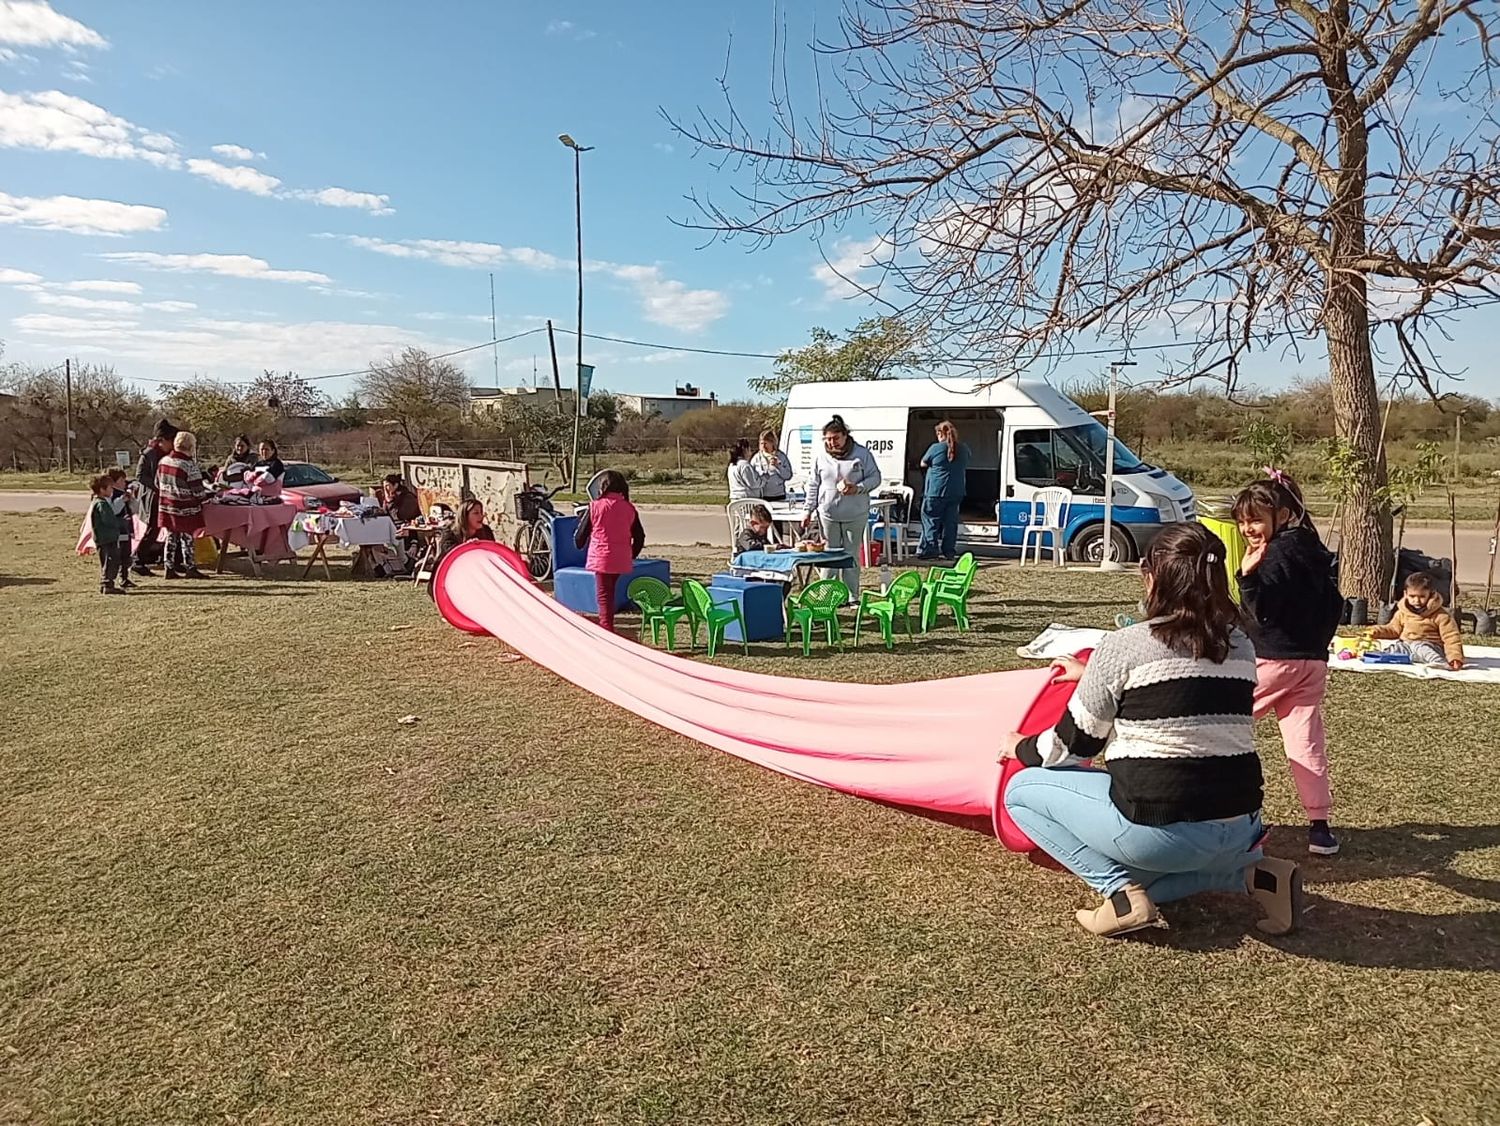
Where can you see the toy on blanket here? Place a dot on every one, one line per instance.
(1358, 647)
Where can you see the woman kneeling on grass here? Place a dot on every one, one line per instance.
(1169, 703)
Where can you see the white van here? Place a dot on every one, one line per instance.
(1023, 437)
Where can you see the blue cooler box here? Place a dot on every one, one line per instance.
(760, 603)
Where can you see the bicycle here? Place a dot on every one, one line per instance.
(533, 542)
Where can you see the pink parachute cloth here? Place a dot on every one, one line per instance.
(930, 745)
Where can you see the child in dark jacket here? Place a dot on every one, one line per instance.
(1292, 608)
(105, 528)
(124, 506)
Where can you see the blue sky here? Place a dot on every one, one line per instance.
(216, 189)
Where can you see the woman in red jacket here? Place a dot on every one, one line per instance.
(611, 529)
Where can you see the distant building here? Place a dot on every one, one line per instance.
(668, 408)
(488, 400)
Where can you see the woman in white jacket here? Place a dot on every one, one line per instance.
(745, 481)
(838, 494)
(774, 466)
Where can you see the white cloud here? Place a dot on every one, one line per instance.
(665, 301)
(237, 152)
(228, 349)
(17, 277)
(343, 197)
(240, 177)
(224, 265)
(33, 23)
(52, 121)
(448, 252)
(476, 317)
(663, 146)
(840, 273)
(70, 301)
(568, 28)
(170, 306)
(91, 285)
(79, 216)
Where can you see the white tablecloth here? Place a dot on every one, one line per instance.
(351, 531)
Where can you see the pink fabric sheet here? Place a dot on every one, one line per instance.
(930, 745)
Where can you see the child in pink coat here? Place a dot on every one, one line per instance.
(1292, 609)
(611, 529)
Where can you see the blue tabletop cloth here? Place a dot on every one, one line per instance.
(785, 562)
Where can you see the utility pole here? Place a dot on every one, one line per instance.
(578, 151)
(68, 383)
(556, 376)
(1107, 561)
(494, 333)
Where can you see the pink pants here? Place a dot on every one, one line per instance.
(1294, 691)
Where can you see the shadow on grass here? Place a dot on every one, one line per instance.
(264, 589)
(25, 581)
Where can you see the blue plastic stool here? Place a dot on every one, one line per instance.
(760, 603)
(574, 586)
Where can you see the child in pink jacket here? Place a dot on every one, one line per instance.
(611, 529)
(1292, 608)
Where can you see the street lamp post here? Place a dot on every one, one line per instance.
(579, 409)
(1107, 562)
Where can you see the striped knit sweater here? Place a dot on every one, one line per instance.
(1177, 732)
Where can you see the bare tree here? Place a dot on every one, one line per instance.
(422, 397)
(288, 395)
(1251, 174)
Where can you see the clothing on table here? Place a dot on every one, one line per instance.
(610, 528)
(773, 476)
(605, 585)
(179, 552)
(449, 538)
(1294, 691)
(1424, 618)
(1071, 815)
(745, 481)
(1290, 600)
(939, 528)
(179, 481)
(1177, 731)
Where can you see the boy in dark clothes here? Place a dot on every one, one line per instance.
(106, 531)
(124, 505)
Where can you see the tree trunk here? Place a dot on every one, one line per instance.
(1365, 531)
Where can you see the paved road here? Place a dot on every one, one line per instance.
(677, 525)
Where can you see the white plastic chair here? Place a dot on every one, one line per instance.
(737, 512)
(900, 544)
(1049, 515)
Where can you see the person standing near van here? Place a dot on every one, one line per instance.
(947, 465)
(745, 481)
(774, 467)
(838, 494)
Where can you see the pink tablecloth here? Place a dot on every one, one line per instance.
(261, 526)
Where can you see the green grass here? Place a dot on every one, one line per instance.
(250, 895)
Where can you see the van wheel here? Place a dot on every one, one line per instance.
(1088, 545)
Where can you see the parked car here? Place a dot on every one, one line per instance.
(307, 486)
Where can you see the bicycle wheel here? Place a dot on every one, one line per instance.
(534, 546)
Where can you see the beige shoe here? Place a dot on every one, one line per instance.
(1277, 886)
(1129, 909)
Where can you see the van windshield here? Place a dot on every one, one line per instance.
(1092, 436)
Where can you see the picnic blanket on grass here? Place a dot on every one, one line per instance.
(1481, 666)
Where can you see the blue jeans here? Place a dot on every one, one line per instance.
(1067, 812)
(939, 527)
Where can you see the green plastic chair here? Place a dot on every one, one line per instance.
(658, 608)
(818, 605)
(905, 590)
(949, 586)
(701, 608)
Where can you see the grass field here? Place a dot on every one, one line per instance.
(249, 895)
